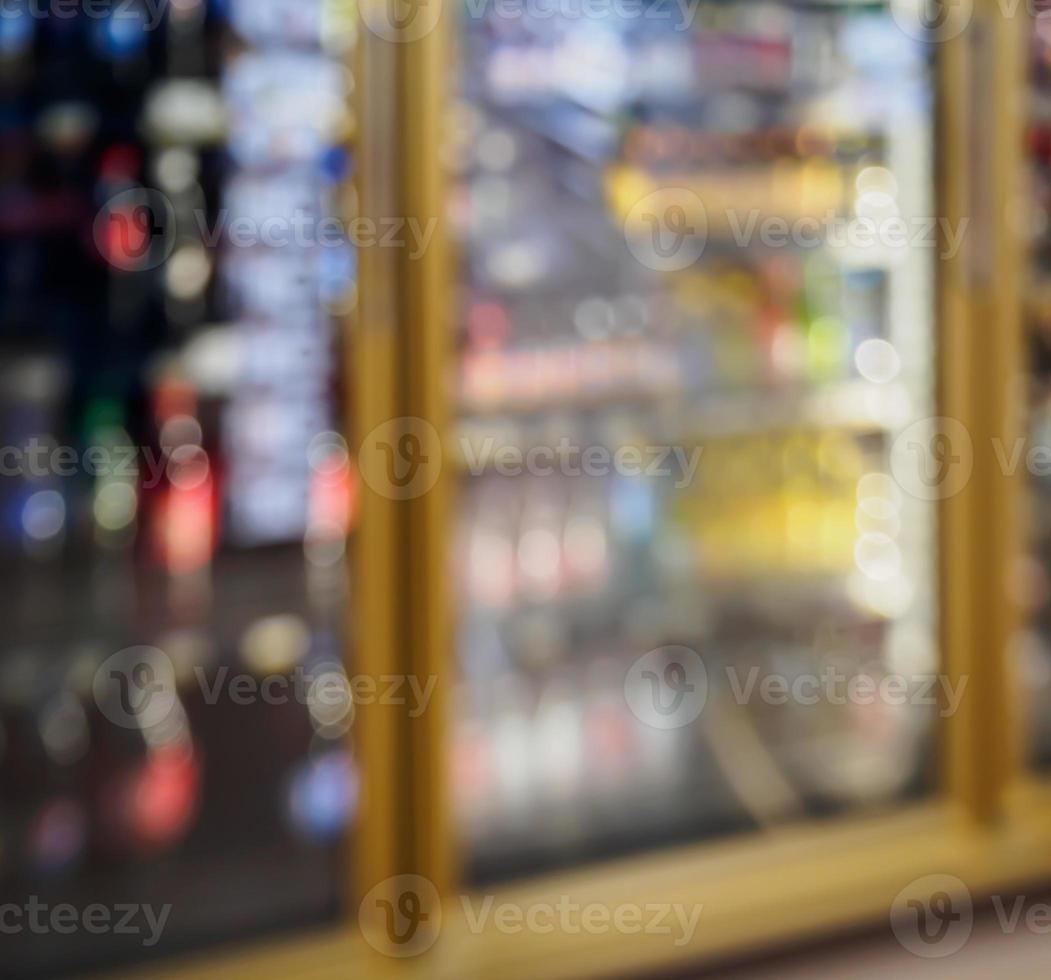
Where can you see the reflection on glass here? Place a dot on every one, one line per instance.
(685, 352)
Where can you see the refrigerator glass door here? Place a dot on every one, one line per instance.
(694, 557)
(176, 494)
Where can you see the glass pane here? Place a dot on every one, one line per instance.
(695, 552)
(1034, 643)
(175, 496)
